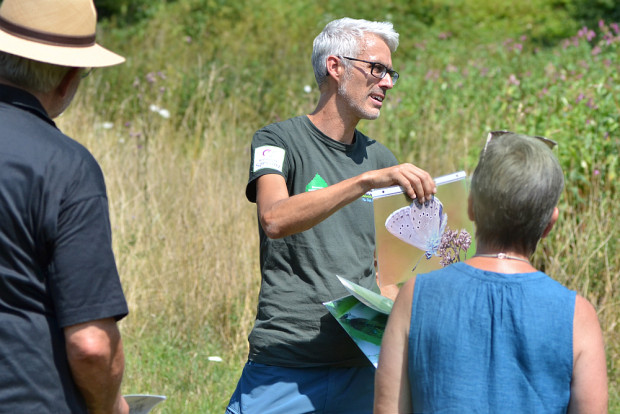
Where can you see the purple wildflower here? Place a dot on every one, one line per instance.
(582, 31)
(432, 75)
(587, 33)
(513, 80)
(609, 38)
(452, 245)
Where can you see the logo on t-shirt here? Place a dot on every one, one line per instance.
(316, 183)
(268, 156)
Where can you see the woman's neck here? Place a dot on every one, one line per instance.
(506, 261)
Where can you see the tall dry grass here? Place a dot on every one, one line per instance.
(185, 240)
(582, 254)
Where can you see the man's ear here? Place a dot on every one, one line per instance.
(334, 66)
(554, 218)
(64, 86)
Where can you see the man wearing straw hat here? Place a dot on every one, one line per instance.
(60, 292)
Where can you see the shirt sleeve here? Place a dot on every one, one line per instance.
(83, 278)
(269, 155)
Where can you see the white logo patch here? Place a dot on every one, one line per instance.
(268, 156)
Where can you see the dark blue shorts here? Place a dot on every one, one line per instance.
(267, 389)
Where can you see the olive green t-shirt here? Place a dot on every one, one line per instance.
(293, 327)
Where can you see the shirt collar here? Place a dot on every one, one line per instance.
(25, 101)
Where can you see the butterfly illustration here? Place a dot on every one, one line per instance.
(420, 225)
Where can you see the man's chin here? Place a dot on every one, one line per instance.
(371, 116)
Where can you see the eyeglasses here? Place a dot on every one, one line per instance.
(378, 70)
(496, 134)
(86, 72)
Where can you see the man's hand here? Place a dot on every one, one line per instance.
(416, 182)
(121, 406)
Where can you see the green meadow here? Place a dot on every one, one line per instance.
(172, 128)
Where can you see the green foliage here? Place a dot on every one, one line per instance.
(126, 11)
(590, 12)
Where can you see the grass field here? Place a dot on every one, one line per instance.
(172, 128)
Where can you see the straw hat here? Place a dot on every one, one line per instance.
(61, 32)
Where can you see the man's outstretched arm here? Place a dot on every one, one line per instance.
(281, 215)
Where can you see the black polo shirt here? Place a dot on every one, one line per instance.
(57, 267)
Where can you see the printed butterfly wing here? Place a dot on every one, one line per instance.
(420, 225)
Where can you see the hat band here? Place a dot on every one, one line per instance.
(57, 40)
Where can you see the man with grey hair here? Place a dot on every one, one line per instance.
(60, 292)
(493, 334)
(310, 177)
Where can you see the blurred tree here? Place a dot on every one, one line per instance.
(126, 11)
(590, 12)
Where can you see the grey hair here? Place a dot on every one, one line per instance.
(342, 38)
(514, 189)
(30, 74)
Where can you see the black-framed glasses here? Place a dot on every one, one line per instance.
(496, 134)
(378, 70)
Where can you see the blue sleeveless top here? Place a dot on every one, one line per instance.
(484, 342)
